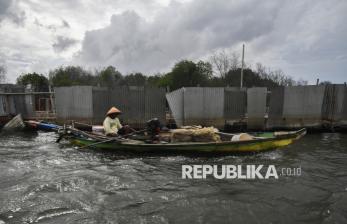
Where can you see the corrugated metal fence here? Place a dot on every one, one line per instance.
(206, 105)
(74, 102)
(235, 103)
(138, 104)
(284, 107)
(175, 101)
(90, 104)
(13, 100)
(203, 106)
(334, 108)
(256, 107)
(296, 106)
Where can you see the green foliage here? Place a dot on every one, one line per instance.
(250, 79)
(38, 82)
(204, 69)
(137, 79)
(165, 80)
(155, 80)
(109, 77)
(72, 75)
(325, 83)
(187, 73)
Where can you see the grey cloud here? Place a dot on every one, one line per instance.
(18, 18)
(65, 24)
(277, 32)
(9, 10)
(304, 38)
(63, 43)
(180, 31)
(37, 23)
(4, 5)
(52, 27)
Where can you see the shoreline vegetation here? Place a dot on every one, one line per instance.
(221, 70)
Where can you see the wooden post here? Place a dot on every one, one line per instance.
(242, 65)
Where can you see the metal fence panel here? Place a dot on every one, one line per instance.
(16, 103)
(344, 107)
(256, 107)
(135, 107)
(138, 104)
(103, 100)
(235, 103)
(276, 102)
(332, 108)
(214, 104)
(101, 104)
(204, 106)
(175, 101)
(197, 106)
(276, 108)
(3, 106)
(62, 102)
(74, 102)
(340, 114)
(20, 105)
(193, 105)
(29, 106)
(11, 108)
(329, 103)
(303, 105)
(13, 104)
(334, 105)
(155, 103)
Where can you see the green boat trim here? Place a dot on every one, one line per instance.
(255, 145)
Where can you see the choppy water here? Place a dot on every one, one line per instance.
(42, 182)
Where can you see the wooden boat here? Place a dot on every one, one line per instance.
(261, 142)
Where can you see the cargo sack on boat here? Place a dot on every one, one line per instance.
(242, 137)
(195, 135)
(181, 135)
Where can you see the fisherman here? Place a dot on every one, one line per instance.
(111, 123)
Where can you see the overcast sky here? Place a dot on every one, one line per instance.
(306, 39)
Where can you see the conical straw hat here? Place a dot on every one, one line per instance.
(113, 110)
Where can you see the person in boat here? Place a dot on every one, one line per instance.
(111, 123)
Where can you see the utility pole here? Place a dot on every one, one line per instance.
(242, 64)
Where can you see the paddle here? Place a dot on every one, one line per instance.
(83, 124)
(113, 139)
(97, 143)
